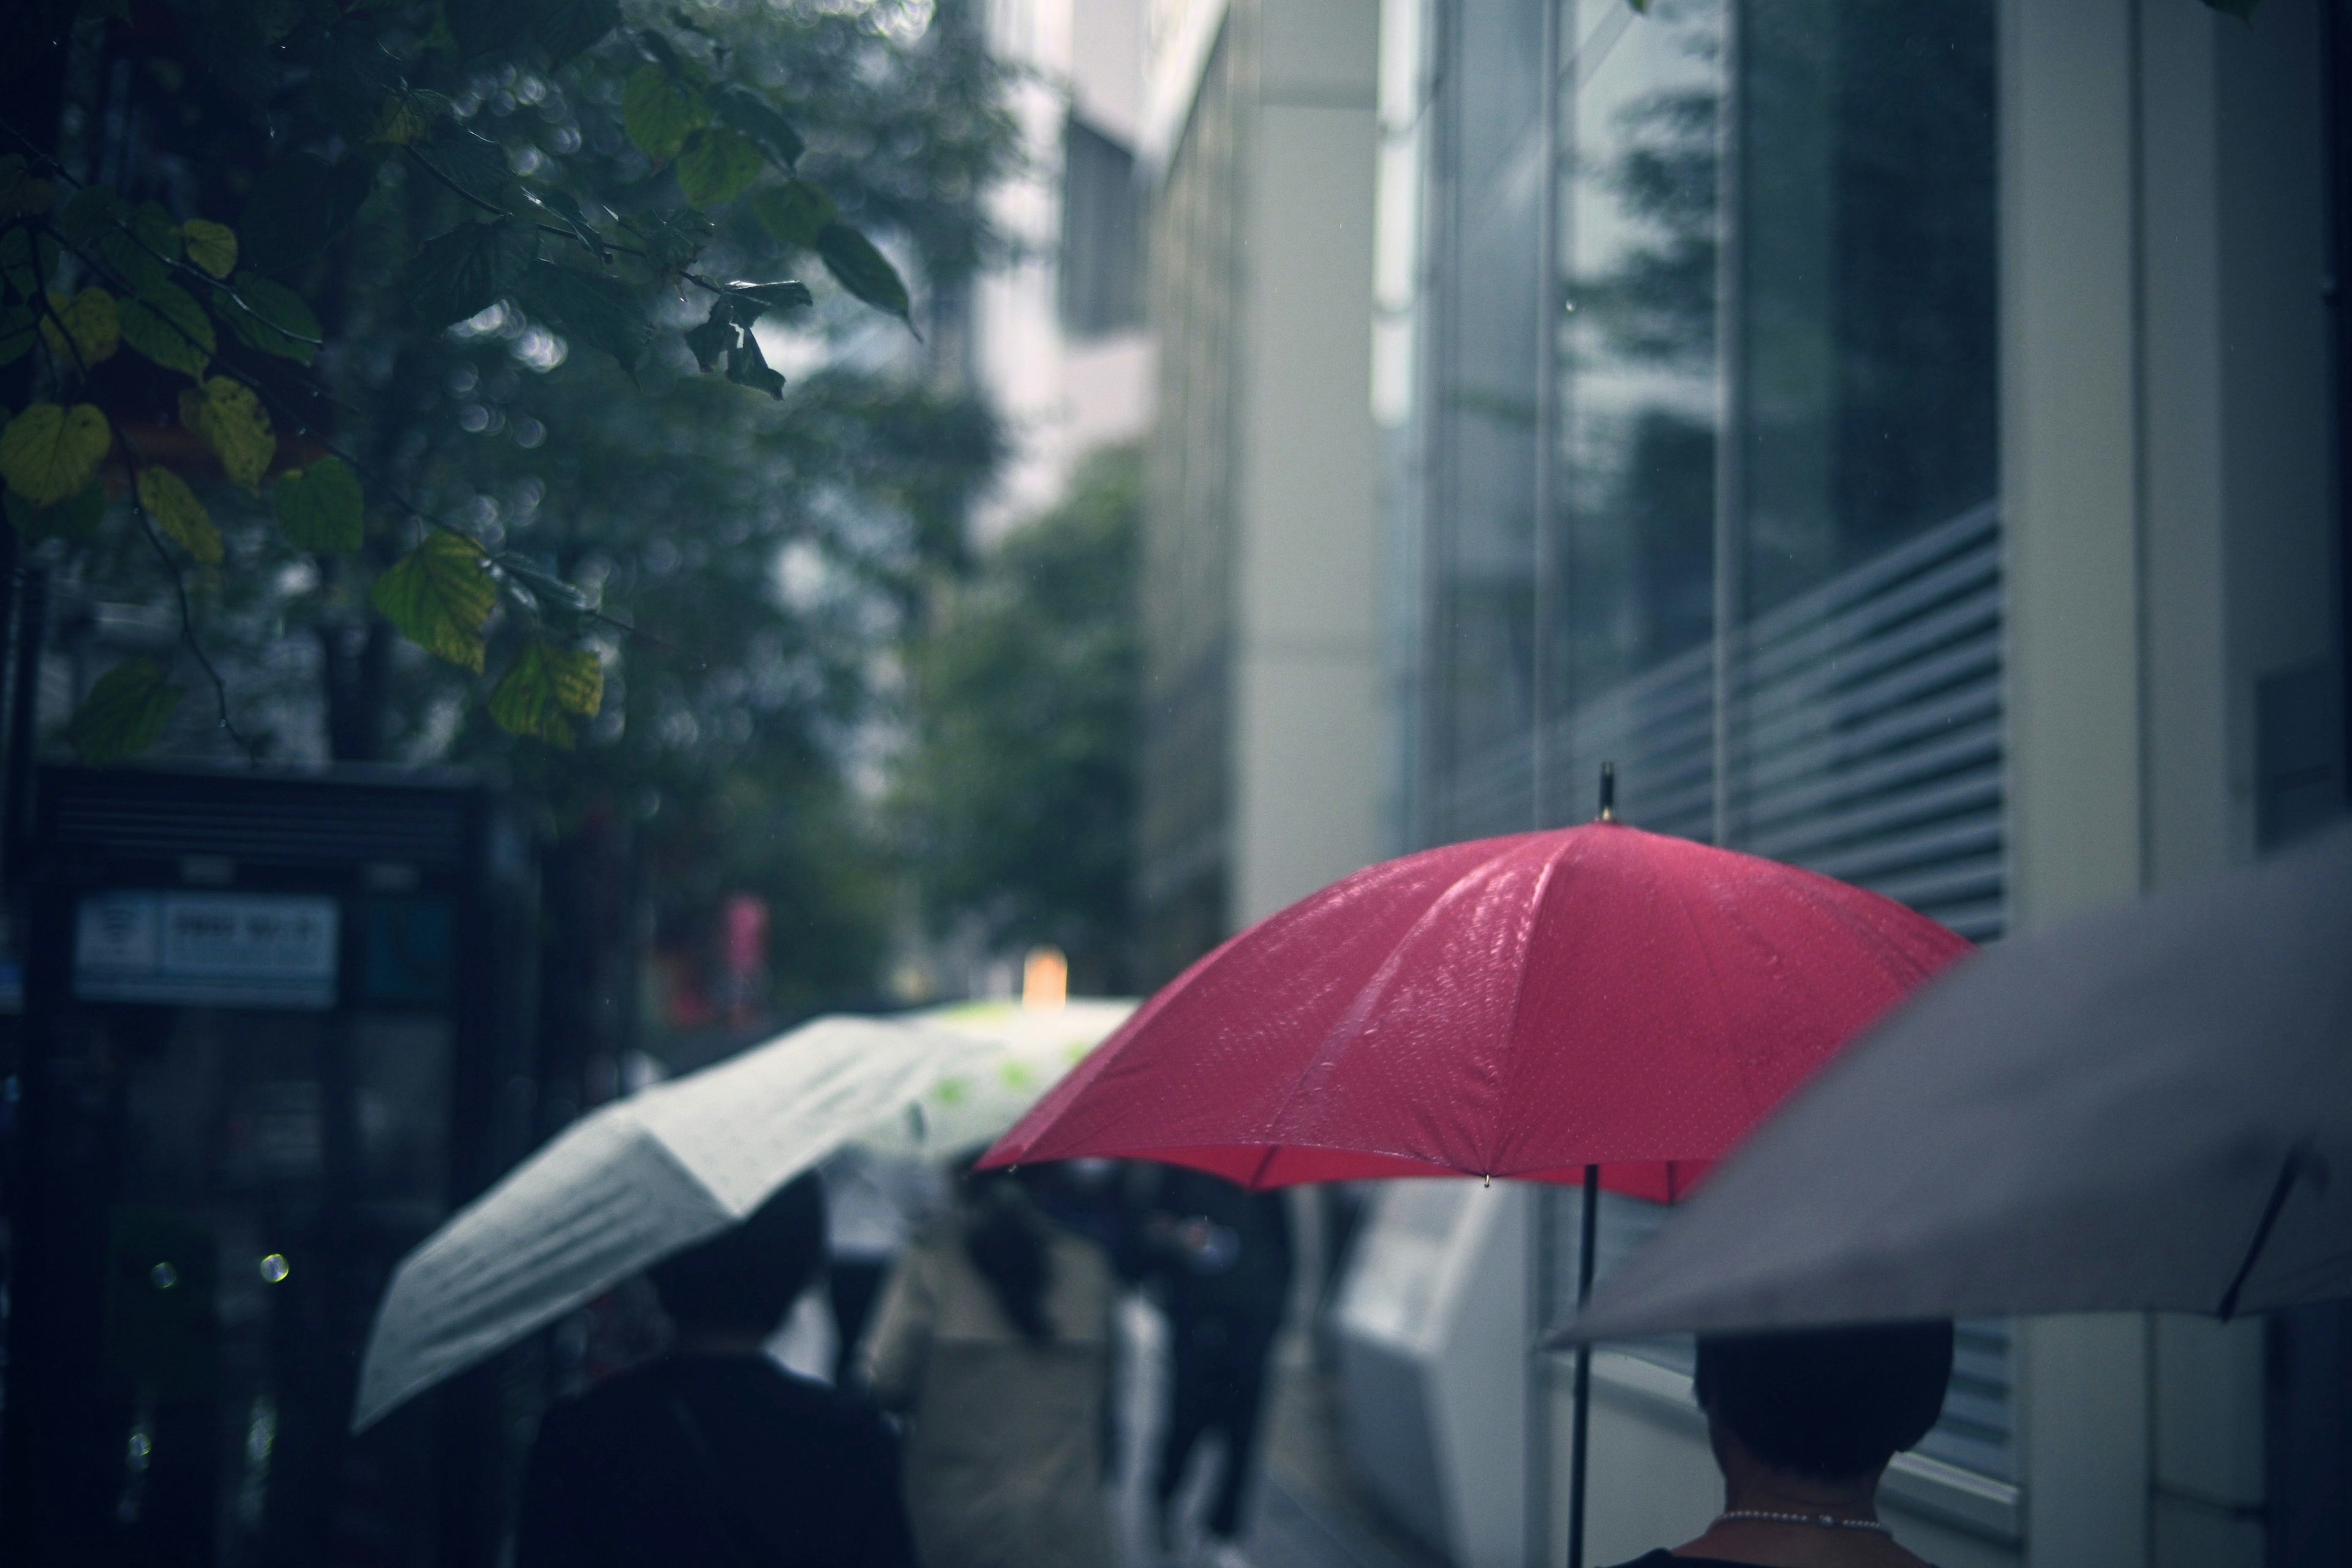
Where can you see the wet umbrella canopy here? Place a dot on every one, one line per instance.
(1549, 1005)
(1523, 1006)
(634, 1181)
(2150, 1107)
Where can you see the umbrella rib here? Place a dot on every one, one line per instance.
(2289, 1169)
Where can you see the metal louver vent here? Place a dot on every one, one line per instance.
(255, 818)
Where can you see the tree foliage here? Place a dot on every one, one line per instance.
(1018, 788)
(343, 201)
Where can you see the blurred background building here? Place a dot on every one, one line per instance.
(1906, 439)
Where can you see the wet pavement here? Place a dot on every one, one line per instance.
(1306, 1511)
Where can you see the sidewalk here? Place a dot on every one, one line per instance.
(1305, 1511)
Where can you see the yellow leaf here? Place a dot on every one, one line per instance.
(440, 595)
(50, 453)
(211, 246)
(231, 420)
(90, 317)
(19, 191)
(174, 508)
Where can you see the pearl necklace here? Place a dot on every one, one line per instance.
(1821, 1520)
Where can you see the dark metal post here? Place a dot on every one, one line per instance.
(1581, 1430)
(32, 627)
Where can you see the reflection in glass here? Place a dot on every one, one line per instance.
(1867, 233)
(1638, 345)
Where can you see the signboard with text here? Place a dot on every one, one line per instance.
(222, 950)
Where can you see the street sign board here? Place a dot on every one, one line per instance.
(222, 950)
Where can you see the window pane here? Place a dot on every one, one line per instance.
(1866, 235)
(1638, 403)
(1483, 458)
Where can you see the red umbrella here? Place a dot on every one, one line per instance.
(1585, 1003)
(1523, 1006)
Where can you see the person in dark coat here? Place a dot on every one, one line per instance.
(713, 1455)
(1803, 1425)
(1220, 1255)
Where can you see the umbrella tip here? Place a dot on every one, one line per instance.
(1608, 793)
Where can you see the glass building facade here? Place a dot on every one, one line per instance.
(1685, 353)
(1689, 373)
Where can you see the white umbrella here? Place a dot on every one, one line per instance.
(1026, 1051)
(634, 1181)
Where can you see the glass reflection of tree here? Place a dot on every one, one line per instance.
(1641, 364)
(1867, 287)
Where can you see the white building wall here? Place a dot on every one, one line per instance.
(1060, 396)
(1306, 739)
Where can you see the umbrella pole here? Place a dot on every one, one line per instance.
(1581, 1430)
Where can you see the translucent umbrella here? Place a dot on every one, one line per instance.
(1025, 1052)
(637, 1179)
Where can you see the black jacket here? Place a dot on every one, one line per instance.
(712, 1462)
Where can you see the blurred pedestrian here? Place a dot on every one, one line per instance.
(1803, 1425)
(1222, 1258)
(994, 1339)
(875, 1204)
(712, 1456)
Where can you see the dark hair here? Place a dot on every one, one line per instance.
(747, 1278)
(1827, 1403)
(1004, 1236)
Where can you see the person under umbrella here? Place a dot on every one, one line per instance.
(713, 1455)
(993, 1339)
(1220, 1257)
(1802, 1425)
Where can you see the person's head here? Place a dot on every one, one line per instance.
(742, 1282)
(1004, 1237)
(1829, 1404)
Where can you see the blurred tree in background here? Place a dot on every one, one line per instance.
(1018, 785)
(410, 372)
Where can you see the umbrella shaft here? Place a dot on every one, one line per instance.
(1589, 1227)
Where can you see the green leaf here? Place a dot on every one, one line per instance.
(592, 310)
(211, 246)
(231, 420)
(269, 316)
(752, 115)
(90, 211)
(565, 28)
(50, 453)
(17, 261)
(320, 506)
(794, 211)
(440, 595)
(784, 296)
(173, 507)
(564, 207)
(545, 683)
(73, 519)
(862, 269)
(156, 232)
(747, 367)
(300, 205)
(92, 318)
(659, 111)
(16, 332)
(715, 336)
(168, 327)
(469, 159)
(408, 117)
(463, 272)
(354, 81)
(717, 165)
(125, 713)
(126, 258)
